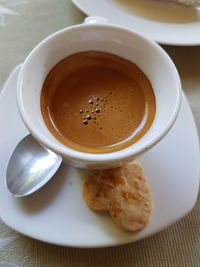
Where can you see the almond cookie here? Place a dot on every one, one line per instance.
(123, 192)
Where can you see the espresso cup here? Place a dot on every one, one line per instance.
(95, 34)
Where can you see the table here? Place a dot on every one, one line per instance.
(23, 23)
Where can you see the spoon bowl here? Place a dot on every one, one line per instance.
(30, 167)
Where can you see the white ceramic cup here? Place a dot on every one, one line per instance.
(96, 34)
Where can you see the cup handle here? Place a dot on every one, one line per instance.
(95, 20)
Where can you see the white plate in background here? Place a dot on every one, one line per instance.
(162, 22)
(57, 213)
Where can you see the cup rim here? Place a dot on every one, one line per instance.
(98, 157)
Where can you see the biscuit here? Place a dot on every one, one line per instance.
(123, 192)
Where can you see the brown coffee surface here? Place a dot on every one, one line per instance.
(97, 102)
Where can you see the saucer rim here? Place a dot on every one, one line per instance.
(130, 19)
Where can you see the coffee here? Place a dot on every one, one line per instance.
(97, 102)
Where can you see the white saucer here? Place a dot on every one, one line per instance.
(177, 25)
(58, 214)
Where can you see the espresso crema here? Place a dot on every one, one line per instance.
(97, 102)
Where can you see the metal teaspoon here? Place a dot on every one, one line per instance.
(30, 167)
